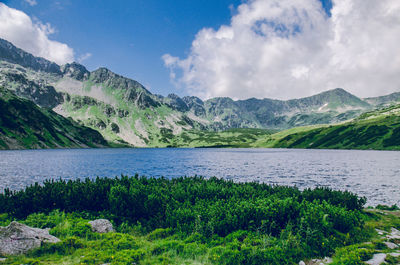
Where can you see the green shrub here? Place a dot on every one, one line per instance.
(160, 233)
(5, 219)
(168, 245)
(352, 255)
(242, 216)
(394, 207)
(41, 220)
(65, 247)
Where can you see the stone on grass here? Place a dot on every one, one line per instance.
(380, 232)
(391, 245)
(377, 259)
(394, 234)
(101, 226)
(17, 238)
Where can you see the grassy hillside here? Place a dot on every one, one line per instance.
(378, 129)
(230, 138)
(24, 125)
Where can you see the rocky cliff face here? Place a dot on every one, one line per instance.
(42, 94)
(76, 71)
(12, 54)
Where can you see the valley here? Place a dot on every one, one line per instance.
(125, 113)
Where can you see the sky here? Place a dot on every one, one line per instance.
(238, 48)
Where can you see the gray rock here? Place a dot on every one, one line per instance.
(380, 232)
(394, 234)
(324, 261)
(377, 259)
(18, 238)
(302, 263)
(101, 226)
(391, 245)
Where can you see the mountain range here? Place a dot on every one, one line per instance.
(124, 112)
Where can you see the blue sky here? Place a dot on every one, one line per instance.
(130, 37)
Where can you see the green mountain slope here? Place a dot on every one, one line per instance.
(384, 100)
(240, 137)
(24, 125)
(124, 111)
(373, 130)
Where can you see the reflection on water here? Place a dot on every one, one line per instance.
(374, 174)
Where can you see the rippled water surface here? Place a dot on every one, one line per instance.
(374, 174)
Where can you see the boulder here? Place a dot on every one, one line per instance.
(391, 245)
(326, 260)
(377, 259)
(101, 226)
(17, 238)
(394, 234)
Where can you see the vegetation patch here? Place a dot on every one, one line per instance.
(186, 220)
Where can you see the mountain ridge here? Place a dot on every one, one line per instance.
(123, 110)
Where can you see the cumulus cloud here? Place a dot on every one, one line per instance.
(32, 36)
(292, 48)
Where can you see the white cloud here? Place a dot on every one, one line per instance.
(32, 36)
(291, 48)
(31, 2)
(84, 57)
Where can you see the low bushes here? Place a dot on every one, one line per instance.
(255, 222)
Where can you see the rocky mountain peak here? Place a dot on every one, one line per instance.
(115, 81)
(76, 71)
(175, 102)
(12, 54)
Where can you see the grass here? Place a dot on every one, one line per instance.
(130, 244)
(25, 125)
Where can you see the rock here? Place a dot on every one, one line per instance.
(377, 259)
(114, 127)
(391, 245)
(394, 234)
(302, 263)
(75, 70)
(18, 238)
(101, 226)
(324, 261)
(395, 254)
(380, 232)
(2, 259)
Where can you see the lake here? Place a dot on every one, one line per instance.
(374, 174)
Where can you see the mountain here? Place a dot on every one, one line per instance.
(328, 107)
(12, 54)
(24, 125)
(384, 100)
(124, 111)
(378, 129)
